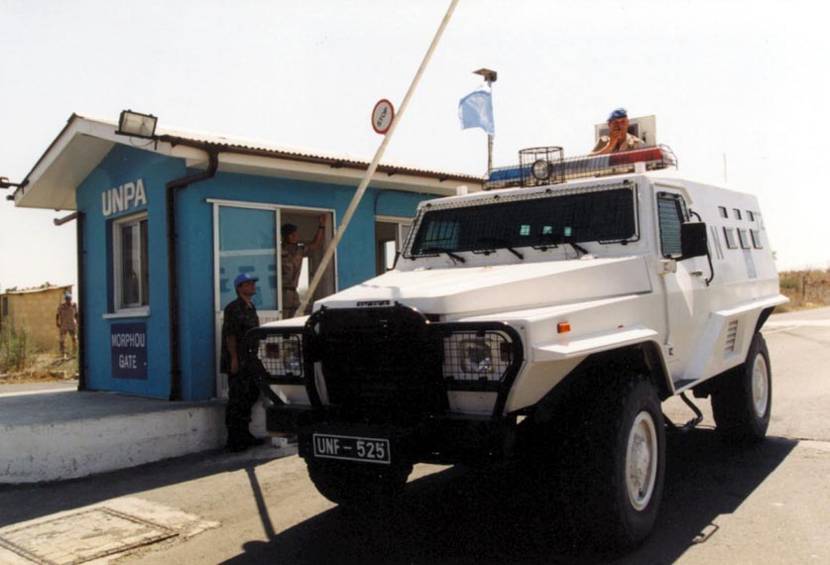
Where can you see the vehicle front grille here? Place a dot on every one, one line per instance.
(379, 360)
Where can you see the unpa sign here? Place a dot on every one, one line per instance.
(122, 198)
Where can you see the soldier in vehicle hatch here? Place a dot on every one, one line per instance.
(243, 392)
(618, 139)
(293, 251)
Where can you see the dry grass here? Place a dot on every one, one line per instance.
(42, 367)
(805, 289)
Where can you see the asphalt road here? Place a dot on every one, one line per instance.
(769, 504)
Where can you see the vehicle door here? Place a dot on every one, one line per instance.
(686, 299)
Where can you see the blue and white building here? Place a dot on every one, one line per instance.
(166, 221)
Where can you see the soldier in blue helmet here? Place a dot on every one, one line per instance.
(243, 392)
(618, 139)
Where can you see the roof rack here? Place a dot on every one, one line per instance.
(541, 166)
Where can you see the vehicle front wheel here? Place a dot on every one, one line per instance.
(742, 403)
(358, 485)
(627, 462)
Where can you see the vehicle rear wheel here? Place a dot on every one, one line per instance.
(743, 401)
(627, 462)
(358, 485)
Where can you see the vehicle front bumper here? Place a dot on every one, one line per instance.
(448, 438)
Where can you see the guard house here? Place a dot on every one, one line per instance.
(166, 220)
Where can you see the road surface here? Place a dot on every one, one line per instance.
(769, 504)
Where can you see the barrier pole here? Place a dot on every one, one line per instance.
(364, 184)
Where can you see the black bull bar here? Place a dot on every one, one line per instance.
(382, 365)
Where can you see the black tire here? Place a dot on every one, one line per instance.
(626, 464)
(743, 400)
(357, 485)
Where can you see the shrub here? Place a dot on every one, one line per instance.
(14, 349)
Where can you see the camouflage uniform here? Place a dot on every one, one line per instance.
(631, 142)
(66, 318)
(292, 264)
(243, 391)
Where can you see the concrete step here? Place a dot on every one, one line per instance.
(65, 434)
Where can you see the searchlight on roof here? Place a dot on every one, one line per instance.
(137, 124)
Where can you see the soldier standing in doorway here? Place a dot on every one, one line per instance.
(67, 322)
(293, 251)
(243, 392)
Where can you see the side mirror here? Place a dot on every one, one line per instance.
(693, 240)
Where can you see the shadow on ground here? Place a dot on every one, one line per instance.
(43, 499)
(502, 515)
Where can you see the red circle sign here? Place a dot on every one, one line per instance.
(382, 116)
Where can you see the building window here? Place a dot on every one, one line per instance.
(5, 309)
(729, 236)
(670, 212)
(737, 213)
(723, 212)
(130, 261)
(750, 215)
(756, 239)
(390, 235)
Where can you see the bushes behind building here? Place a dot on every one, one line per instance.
(14, 349)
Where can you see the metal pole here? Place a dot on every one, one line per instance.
(490, 76)
(364, 184)
(489, 154)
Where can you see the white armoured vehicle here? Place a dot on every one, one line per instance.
(556, 314)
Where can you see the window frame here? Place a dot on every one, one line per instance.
(730, 237)
(423, 211)
(755, 236)
(682, 209)
(402, 224)
(743, 239)
(143, 305)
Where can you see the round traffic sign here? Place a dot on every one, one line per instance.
(382, 116)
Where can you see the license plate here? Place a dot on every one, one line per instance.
(351, 448)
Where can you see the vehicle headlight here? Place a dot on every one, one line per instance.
(481, 357)
(541, 169)
(282, 355)
(476, 356)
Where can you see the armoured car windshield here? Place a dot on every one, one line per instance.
(599, 215)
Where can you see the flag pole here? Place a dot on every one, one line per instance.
(364, 184)
(489, 154)
(490, 76)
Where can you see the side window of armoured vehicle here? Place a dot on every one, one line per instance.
(671, 212)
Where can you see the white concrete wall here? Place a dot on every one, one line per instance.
(31, 453)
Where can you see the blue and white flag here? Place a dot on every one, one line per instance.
(476, 111)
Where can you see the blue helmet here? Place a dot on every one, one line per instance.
(243, 278)
(617, 114)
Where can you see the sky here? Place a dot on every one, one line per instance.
(739, 89)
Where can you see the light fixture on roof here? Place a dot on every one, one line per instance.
(137, 124)
(489, 75)
(6, 183)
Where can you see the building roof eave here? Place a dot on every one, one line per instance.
(84, 142)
